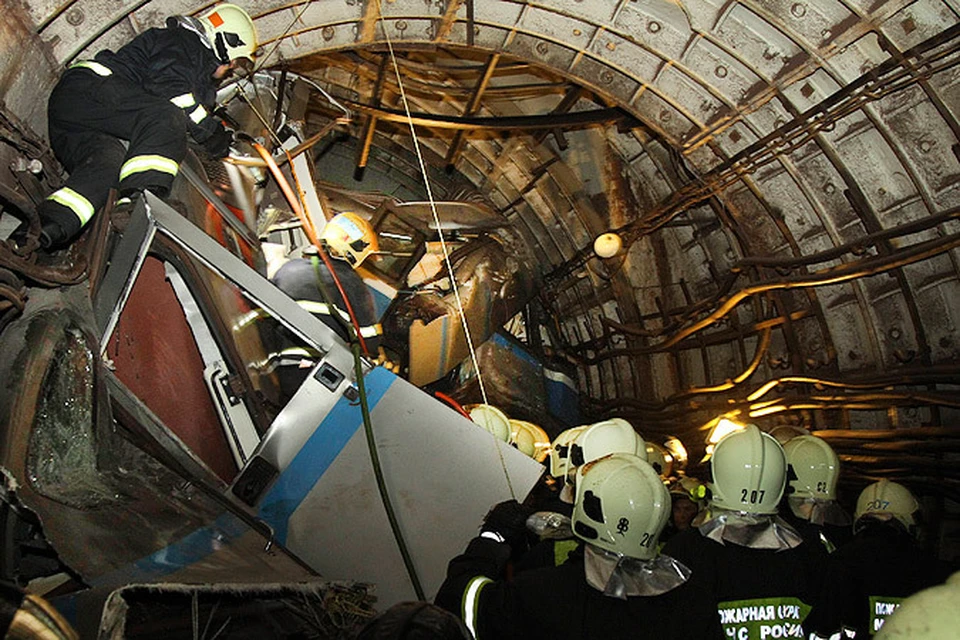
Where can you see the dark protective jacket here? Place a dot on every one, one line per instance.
(867, 578)
(174, 64)
(298, 279)
(151, 93)
(556, 603)
(758, 593)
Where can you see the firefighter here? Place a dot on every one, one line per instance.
(585, 445)
(869, 577)
(931, 614)
(617, 585)
(813, 469)
(762, 576)
(349, 240)
(686, 495)
(150, 94)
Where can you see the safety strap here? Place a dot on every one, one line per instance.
(96, 67)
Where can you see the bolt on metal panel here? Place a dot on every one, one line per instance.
(726, 74)
(756, 40)
(917, 22)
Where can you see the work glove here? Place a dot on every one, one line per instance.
(507, 522)
(218, 144)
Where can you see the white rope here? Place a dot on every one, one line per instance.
(443, 244)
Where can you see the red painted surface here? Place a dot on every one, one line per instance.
(157, 358)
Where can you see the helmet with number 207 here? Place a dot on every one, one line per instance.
(621, 505)
(749, 472)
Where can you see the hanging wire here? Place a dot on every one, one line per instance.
(443, 244)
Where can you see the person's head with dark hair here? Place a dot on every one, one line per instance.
(415, 621)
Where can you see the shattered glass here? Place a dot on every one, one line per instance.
(61, 455)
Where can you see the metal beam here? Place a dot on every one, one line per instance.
(370, 125)
(472, 105)
(511, 123)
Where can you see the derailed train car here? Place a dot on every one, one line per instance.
(147, 439)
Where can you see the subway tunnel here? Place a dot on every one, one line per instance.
(782, 179)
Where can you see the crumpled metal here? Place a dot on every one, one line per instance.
(621, 577)
(820, 512)
(756, 531)
(550, 525)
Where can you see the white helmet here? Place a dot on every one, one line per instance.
(660, 459)
(814, 468)
(560, 450)
(603, 438)
(231, 32)
(491, 419)
(621, 505)
(931, 614)
(886, 500)
(350, 237)
(749, 471)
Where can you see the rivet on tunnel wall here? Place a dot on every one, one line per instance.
(401, 25)
(653, 26)
(925, 146)
(577, 32)
(721, 71)
(606, 76)
(895, 333)
(829, 189)
(798, 10)
(611, 46)
(75, 16)
(328, 32)
(542, 48)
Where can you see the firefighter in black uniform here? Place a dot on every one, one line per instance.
(810, 501)
(869, 577)
(150, 93)
(571, 450)
(616, 586)
(762, 577)
(349, 240)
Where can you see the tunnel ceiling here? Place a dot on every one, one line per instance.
(784, 174)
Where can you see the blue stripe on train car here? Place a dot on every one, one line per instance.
(318, 453)
(563, 400)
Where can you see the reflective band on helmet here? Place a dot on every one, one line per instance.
(198, 114)
(139, 164)
(183, 101)
(323, 309)
(471, 602)
(72, 200)
(96, 67)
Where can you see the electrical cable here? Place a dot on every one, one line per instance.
(378, 472)
(443, 244)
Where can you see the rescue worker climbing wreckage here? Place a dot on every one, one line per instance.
(332, 290)
(617, 585)
(150, 94)
(760, 574)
